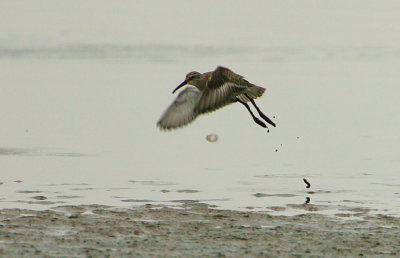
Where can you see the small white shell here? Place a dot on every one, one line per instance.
(212, 138)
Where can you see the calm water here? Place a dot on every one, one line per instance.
(80, 100)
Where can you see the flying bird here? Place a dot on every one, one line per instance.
(211, 91)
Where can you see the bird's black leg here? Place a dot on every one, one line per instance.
(258, 121)
(260, 112)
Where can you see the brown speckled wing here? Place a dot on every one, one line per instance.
(215, 98)
(221, 90)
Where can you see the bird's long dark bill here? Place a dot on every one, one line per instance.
(179, 86)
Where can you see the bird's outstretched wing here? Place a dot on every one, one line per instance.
(222, 89)
(182, 111)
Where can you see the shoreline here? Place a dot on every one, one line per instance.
(193, 230)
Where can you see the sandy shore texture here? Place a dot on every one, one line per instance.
(194, 230)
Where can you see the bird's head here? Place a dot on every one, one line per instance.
(193, 78)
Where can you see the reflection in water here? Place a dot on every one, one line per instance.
(308, 185)
(152, 182)
(137, 200)
(154, 53)
(65, 184)
(29, 191)
(273, 195)
(173, 52)
(37, 152)
(68, 196)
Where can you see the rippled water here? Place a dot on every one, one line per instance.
(78, 121)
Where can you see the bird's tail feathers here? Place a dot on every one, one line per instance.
(253, 92)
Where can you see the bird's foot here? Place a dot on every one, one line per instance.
(269, 121)
(259, 122)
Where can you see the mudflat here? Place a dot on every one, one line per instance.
(195, 229)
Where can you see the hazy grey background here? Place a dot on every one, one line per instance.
(83, 84)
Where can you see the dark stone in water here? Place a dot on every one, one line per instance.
(39, 197)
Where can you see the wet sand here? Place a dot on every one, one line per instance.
(193, 230)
